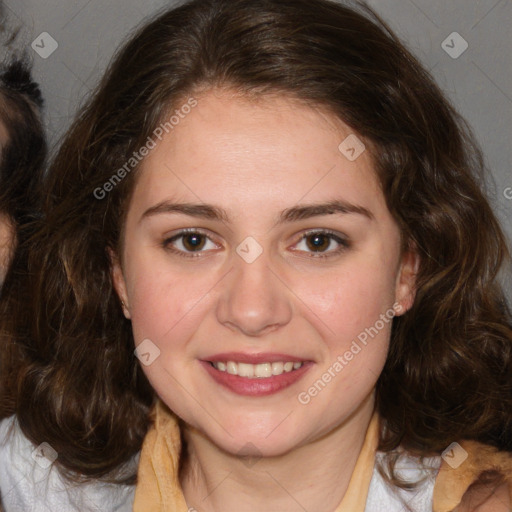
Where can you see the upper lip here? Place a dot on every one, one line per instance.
(262, 357)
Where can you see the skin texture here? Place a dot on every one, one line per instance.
(6, 244)
(7, 233)
(256, 159)
(486, 499)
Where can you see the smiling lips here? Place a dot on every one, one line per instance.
(257, 371)
(256, 375)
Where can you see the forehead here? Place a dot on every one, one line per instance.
(244, 152)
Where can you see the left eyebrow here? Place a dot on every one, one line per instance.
(294, 214)
(313, 210)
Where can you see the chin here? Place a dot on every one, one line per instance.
(258, 448)
(254, 441)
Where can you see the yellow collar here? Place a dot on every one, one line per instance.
(158, 487)
(159, 490)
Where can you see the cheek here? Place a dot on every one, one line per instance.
(353, 312)
(351, 300)
(164, 302)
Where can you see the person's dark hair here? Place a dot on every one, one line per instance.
(448, 375)
(22, 156)
(24, 153)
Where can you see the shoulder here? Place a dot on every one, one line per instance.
(474, 476)
(29, 480)
(446, 482)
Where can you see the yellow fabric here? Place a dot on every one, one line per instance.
(159, 490)
(357, 491)
(452, 483)
(158, 487)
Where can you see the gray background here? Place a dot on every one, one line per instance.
(479, 82)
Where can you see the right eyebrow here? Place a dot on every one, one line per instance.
(202, 211)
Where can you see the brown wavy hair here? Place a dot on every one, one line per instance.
(22, 159)
(77, 384)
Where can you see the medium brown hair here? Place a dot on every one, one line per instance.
(78, 385)
(22, 159)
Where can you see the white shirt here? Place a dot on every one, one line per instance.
(26, 485)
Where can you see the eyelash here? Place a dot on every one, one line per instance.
(344, 244)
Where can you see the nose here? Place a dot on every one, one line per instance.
(254, 299)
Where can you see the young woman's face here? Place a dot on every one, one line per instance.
(289, 255)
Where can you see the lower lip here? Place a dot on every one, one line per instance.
(256, 387)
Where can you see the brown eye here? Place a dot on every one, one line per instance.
(322, 244)
(189, 243)
(194, 242)
(318, 242)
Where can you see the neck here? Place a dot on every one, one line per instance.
(312, 477)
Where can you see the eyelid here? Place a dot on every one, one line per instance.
(339, 238)
(168, 240)
(185, 231)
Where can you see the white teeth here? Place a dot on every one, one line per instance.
(263, 370)
(257, 371)
(246, 370)
(277, 368)
(288, 367)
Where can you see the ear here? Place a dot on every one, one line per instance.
(119, 282)
(405, 288)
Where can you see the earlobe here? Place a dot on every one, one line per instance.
(406, 280)
(119, 282)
